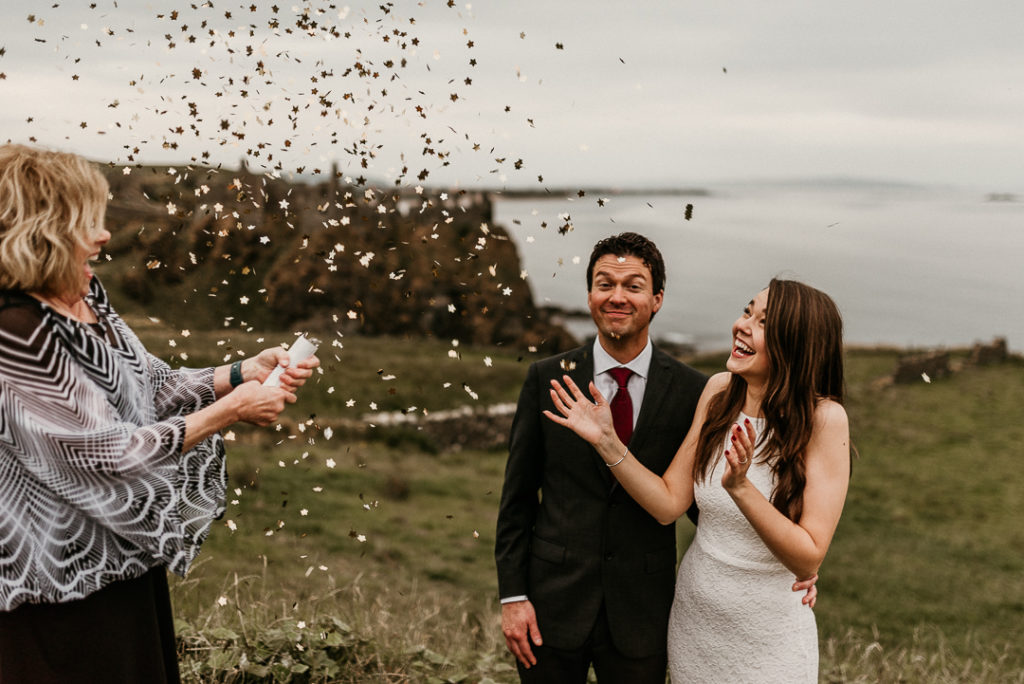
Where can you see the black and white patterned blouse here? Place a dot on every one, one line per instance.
(94, 486)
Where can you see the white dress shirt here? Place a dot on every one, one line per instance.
(637, 383)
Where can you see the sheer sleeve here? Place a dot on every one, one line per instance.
(179, 391)
(94, 486)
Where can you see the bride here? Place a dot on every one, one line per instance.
(768, 462)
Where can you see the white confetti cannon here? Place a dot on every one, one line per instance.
(301, 350)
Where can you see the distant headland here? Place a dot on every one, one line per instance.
(208, 245)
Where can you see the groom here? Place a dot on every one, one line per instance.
(585, 575)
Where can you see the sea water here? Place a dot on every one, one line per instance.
(908, 266)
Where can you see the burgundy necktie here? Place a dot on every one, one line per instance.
(622, 405)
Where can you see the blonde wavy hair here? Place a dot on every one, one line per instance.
(49, 203)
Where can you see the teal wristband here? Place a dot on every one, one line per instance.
(236, 374)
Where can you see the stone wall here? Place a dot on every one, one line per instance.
(934, 365)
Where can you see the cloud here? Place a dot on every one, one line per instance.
(585, 93)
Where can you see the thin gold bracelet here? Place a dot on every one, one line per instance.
(612, 465)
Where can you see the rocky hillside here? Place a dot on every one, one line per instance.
(206, 246)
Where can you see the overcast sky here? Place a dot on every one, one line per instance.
(656, 94)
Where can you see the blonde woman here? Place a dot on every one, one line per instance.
(111, 465)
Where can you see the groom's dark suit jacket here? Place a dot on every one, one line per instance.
(585, 541)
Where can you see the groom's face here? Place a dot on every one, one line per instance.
(621, 298)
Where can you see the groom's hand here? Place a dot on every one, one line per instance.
(519, 625)
(808, 585)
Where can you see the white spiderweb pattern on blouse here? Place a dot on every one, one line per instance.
(93, 485)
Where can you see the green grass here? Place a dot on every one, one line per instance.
(931, 533)
(377, 512)
(924, 581)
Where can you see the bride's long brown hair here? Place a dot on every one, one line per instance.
(804, 341)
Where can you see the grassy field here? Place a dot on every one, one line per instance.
(356, 561)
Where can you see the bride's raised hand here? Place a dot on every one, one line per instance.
(739, 454)
(591, 420)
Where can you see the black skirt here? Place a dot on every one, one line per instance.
(121, 634)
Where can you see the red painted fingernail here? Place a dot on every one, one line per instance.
(747, 421)
(733, 438)
(726, 452)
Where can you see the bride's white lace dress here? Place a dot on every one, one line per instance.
(735, 617)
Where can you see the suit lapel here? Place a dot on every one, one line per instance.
(655, 394)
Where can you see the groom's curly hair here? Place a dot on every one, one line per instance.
(630, 244)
